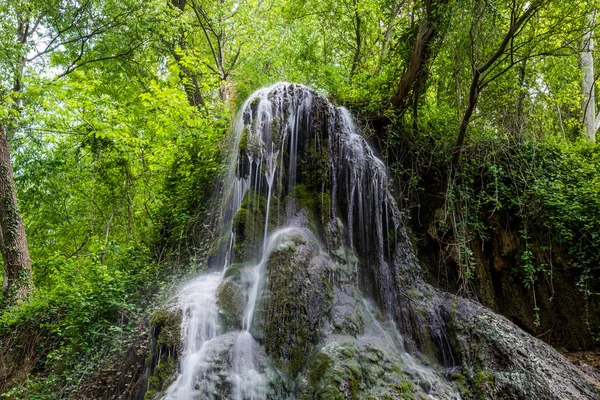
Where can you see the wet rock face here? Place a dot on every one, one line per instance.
(343, 368)
(304, 155)
(344, 314)
(165, 349)
(296, 299)
(313, 221)
(550, 304)
(230, 300)
(516, 365)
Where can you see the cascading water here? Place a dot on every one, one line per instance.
(276, 124)
(309, 228)
(200, 325)
(249, 382)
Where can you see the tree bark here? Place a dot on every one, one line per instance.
(5, 276)
(422, 52)
(389, 30)
(17, 267)
(358, 36)
(188, 79)
(519, 125)
(588, 91)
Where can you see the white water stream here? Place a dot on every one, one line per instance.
(200, 325)
(355, 172)
(249, 384)
(198, 298)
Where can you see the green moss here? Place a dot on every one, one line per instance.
(162, 376)
(234, 271)
(230, 301)
(350, 325)
(316, 203)
(255, 102)
(405, 389)
(168, 325)
(218, 244)
(319, 367)
(482, 383)
(243, 145)
(287, 331)
(345, 370)
(249, 225)
(349, 351)
(275, 133)
(429, 348)
(474, 386)
(315, 164)
(462, 385)
(343, 377)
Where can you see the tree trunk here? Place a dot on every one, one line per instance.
(589, 95)
(188, 79)
(5, 277)
(190, 83)
(17, 267)
(519, 125)
(358, 34)
(480, 76)
(388, 32)
(462, 132)
(422, 53)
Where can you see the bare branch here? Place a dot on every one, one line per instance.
(74, 66)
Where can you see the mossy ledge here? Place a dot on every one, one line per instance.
(165, 349)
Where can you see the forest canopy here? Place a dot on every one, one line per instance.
(114, 121)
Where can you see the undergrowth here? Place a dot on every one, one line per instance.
(548, 190)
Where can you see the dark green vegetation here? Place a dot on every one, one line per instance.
(117, 112)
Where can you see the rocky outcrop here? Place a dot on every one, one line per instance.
(230, 300)
(503, 362)
(165, 349)
(296, 299)
(544, 309)
(311, 213)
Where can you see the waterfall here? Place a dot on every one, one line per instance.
(309, 230)
(262, 195)
(275, 124)
(248, 381)
(200, 325)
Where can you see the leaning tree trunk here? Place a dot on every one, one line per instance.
(17, 264)
(422, 53)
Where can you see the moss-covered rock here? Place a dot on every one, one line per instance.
(230, 300)
(334, 373)
(234, 271)
(166, 325)
(162, 376)
(218, 249)
(306, 315)
(165, 349)
(315, 164)
(345, 315)
(345, 369)
(499, 360)
(249, 226)
(315, 204)
(296, 299)
(243, 144)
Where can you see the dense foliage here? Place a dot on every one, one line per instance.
(117, 114)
